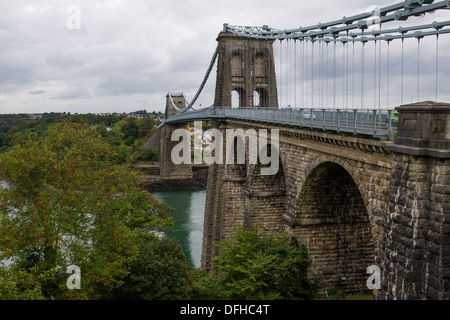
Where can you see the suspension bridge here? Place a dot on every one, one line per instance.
(336, 74)
(364, 175)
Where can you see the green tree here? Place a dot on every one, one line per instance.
(2, 139)
(161, 272)
(207, 286)
(147, 154)
(63, 201)
(252, 265)
(130, 130)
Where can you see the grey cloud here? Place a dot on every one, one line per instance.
(73, 93)
(37, 92)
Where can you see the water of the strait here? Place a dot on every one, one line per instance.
(188, 220)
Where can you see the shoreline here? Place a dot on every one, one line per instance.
(153, 183)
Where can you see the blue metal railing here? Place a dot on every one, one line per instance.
(376, 123)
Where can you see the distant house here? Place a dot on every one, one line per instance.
(135, 115)
(34, 116)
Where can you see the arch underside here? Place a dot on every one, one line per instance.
(266, 200)
(259, 98)
(332, 221)
(238, 97)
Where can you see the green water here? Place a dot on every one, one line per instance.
(188, 220)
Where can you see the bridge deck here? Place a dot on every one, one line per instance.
(375, 123)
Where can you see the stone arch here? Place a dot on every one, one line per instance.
(241, 98)
(266, 197)
(332, 220)
(263, 97)
(238, 169)
(343, 163)
(232, 209)
(256, 99)
(235, 99)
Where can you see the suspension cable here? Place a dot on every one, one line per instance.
(379, 76)
(343, 74)
(353, 76)
(334, 76)
(418, 68)
(346, 79)
(437, 65)
(312, 74)
(375, 75)
(403, 46)
(295, 72)
(402, 11)
(388, 74)
(362, 75)
(200, 89)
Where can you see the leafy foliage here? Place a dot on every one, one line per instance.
(147, 154)
(255, 266)
(161, 272)
(125, 134)
(207, 286)
(66, 202)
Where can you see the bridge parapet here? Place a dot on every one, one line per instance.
(424, 129)
(375, 123)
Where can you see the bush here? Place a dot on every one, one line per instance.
(147, 154)
(255, 266)
(161, 272)
(206, 286)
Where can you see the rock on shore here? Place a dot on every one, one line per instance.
(197, 183)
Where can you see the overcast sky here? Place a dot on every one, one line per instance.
(127, 54)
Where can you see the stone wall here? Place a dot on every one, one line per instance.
(353, 201)
(416, 251)
(331, 195)
(169, 170)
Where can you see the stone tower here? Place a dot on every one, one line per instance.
(178, 100)
(169, 170)
(247, 67)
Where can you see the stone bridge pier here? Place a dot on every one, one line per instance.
(168, 170)
(353, 201)
(416, 239)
